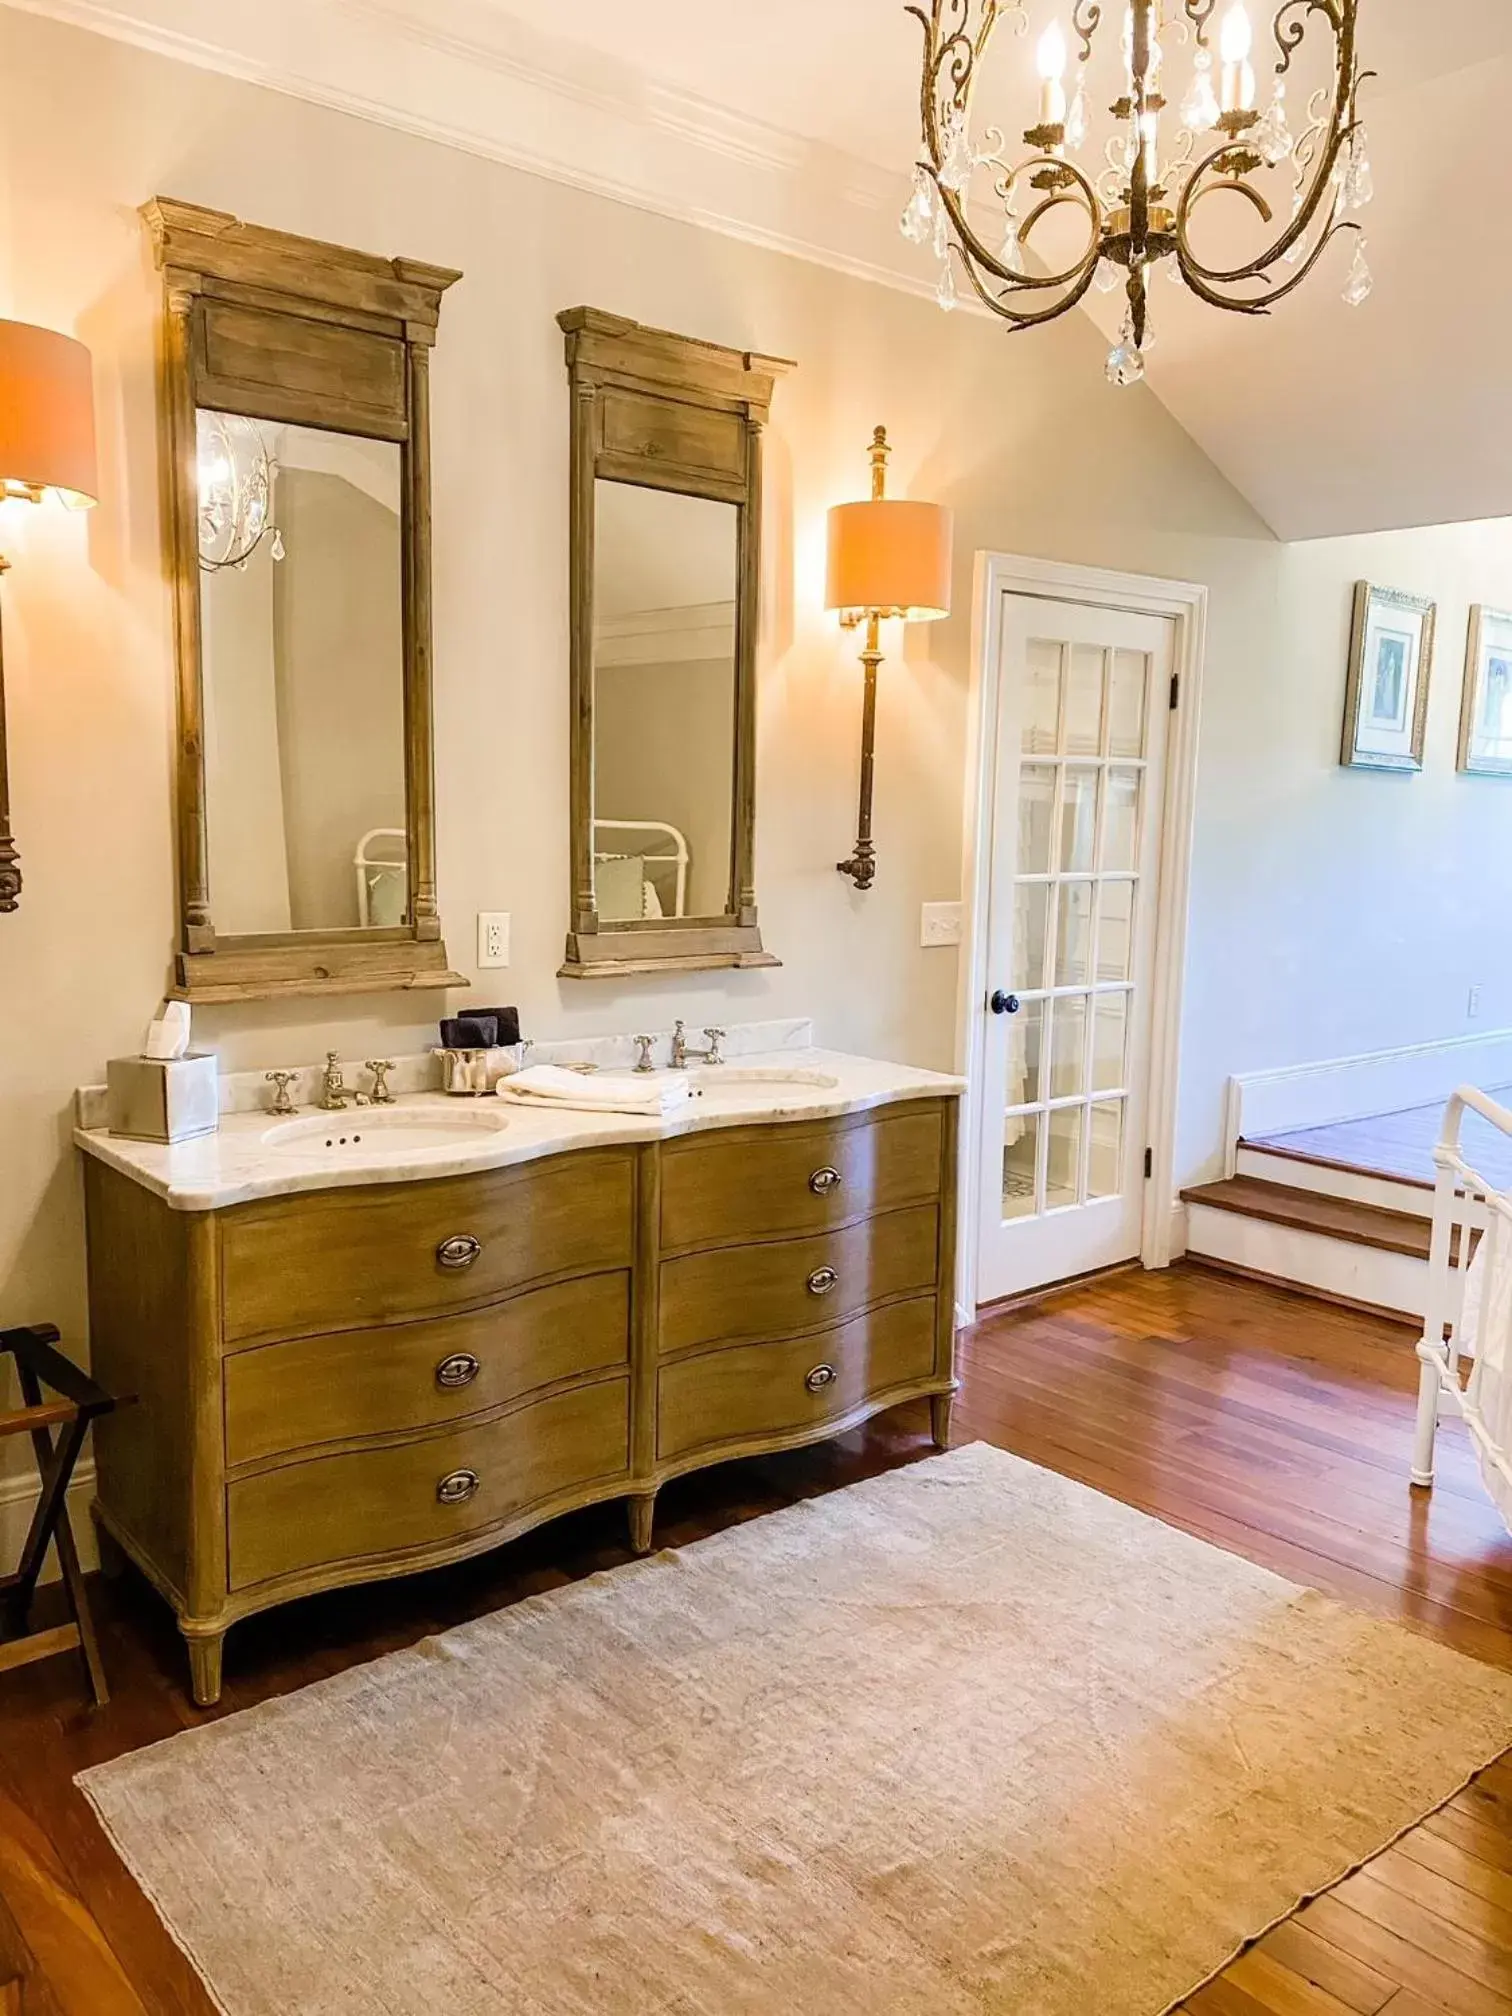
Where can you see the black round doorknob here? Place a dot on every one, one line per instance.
(1004, 1004)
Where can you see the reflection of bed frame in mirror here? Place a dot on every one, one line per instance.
(290, 330)
(667, 413)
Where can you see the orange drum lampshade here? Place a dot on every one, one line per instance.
(891, 555)
(47, 433)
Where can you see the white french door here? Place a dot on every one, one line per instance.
(1076, 810)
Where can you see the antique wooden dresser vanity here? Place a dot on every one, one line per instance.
(356, 1382)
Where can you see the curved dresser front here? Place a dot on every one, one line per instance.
(347, 1384)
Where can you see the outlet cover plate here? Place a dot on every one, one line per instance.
(940, 924)
(493, 939)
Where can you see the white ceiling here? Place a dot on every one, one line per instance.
(793, 123)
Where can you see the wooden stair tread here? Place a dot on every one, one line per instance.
(1309, 1211)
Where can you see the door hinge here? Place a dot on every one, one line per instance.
(1175, 691)
(1149, 1163)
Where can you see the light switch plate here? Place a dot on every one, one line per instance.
(1473, 1004)
(493, 938)
(940, 924)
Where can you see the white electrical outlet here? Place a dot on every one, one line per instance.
(940, 924)
(1473, 1005)
(493, 938)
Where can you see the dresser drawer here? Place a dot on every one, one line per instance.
(349, 1383)
(754, 1391)
(753, 1293)
(344, 1259)
(426, 1493)
(761, 1182)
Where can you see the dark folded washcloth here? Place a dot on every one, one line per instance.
(508, 1020)
(470, 1032)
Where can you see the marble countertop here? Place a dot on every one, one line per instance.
(240, 1162)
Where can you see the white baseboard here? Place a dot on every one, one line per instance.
(18, 1501)
(1354, 1088)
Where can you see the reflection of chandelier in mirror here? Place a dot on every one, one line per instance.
(1137, 209)
(235, 492)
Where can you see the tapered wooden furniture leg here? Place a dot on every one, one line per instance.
(205, 1666)
(10, 1998)
(642, 1519)
(941, 1407)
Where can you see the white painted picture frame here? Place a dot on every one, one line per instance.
(1390, 669)
(1485, 744)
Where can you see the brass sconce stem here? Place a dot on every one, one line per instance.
(887, 558)
(862, 865)
(10, 861)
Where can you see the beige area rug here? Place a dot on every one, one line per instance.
(964, 1738)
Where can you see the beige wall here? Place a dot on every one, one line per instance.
(1021, 436)
(244, 800)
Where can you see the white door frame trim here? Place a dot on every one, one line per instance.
(1185, 603)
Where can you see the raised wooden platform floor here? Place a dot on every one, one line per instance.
(1272, 1425)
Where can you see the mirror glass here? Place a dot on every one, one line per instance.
(664, 598)
(302, 654)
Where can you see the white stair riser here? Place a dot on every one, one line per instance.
(1358, 1186)
(1310, 1259)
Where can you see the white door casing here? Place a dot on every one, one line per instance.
(1101, 830)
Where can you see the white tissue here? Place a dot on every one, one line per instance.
(168, 1033)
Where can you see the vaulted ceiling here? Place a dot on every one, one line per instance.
(793, 123)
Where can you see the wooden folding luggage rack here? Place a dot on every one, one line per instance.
(80, 1401)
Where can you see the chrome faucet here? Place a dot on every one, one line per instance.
(333, 1087)
(682, 1055)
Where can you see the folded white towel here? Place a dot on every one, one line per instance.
(597, 1092)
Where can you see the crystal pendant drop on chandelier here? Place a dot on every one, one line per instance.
(1137, 187)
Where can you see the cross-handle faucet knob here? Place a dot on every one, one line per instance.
(716, 1037)
(282, 1103)
(380, 1068)
(643, 1044)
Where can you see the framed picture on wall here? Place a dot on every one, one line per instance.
(1390, 666)
(1485, 746)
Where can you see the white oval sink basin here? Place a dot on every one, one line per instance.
(746, 1081)
(388, 1130)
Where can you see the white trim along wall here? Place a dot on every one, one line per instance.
(1354, 1088)
(1185, 603)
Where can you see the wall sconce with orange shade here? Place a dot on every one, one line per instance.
(47, 446)
(887, 557)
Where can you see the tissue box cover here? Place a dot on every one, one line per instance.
(163, 1099)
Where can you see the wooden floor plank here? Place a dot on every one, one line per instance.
(1357, 1986)
(1277, 1428)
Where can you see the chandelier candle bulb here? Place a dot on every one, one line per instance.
(1052, 70)
(1237, 40)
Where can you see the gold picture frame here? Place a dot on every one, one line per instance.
(1485, 738)
(1390, 672)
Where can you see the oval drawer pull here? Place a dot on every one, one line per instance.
(820, 1377)
(458, 1487)
(822, 1280)
(459, 1370)
(824, 1181)
(459, 1251)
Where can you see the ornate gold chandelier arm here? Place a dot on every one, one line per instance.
(1342, 19)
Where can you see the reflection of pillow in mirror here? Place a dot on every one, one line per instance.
(619, 888)
(651, 903)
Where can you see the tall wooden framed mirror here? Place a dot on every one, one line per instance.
(665, 574)
(295, 424)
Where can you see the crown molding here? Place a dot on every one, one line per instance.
(468, 76)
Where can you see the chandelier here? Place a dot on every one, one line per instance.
(1131, 205)
(235, 492)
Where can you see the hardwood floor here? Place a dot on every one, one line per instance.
(1401, 1144)
(1271, 1425)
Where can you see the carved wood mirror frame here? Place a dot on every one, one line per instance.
(290, 330)
(668, 413)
